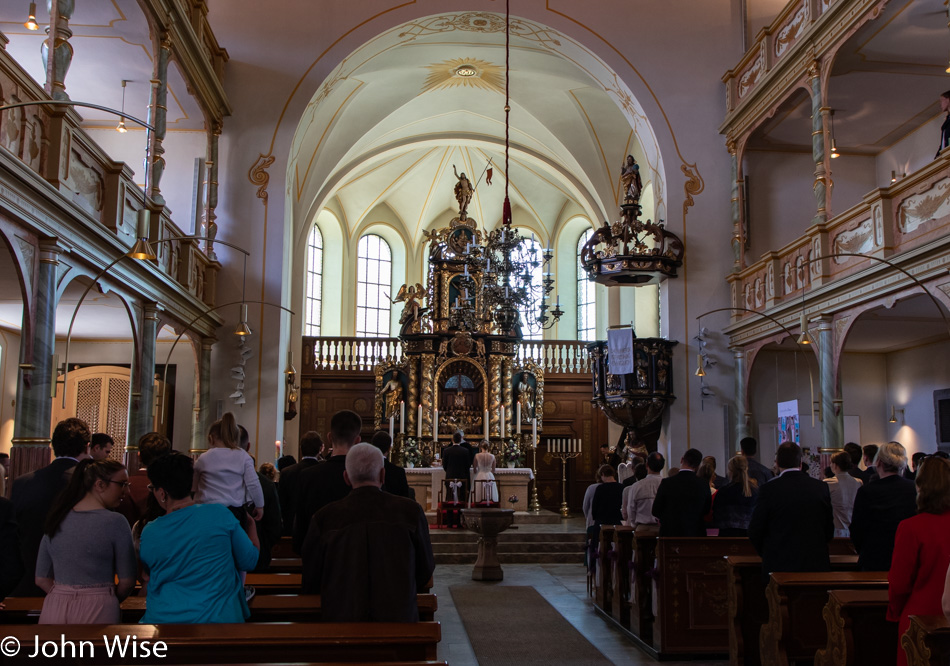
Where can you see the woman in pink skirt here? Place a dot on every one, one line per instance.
(86, 547)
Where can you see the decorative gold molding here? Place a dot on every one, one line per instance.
(258, 174)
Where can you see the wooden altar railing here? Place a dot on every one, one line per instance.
(362, 354)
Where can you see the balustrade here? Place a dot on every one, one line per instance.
(363, 354)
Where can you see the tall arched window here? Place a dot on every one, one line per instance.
(314, 305)
(374, 277)
(529, 315)
(586, 305)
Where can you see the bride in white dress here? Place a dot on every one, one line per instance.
(484, 465)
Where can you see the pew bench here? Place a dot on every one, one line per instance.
(250, 643)
(858, 631)
(285, 565)
(621, 563)
(927, 641)
(267, 608)
(748, 609)
(795, 630)
(275, 583)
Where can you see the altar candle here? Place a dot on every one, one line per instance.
(501, 425)
(534, 432)
(277, 448)
(419, 424)
(485, 423)
(392, 425)
(435, 425)
(518, 417)
(402, 417)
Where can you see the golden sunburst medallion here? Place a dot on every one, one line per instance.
(459, 72)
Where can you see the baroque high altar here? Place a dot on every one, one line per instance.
(461, 334)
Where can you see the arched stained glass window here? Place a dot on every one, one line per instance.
(374, 276)
(314, 304)
(586, 306)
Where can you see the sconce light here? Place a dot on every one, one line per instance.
(242, 328)
(699, 366)
(121, 126)
(291, 371)
(803, 337)
(142, 250)
(895, 176)
(834, 147)
(31, 23)
(894, 411)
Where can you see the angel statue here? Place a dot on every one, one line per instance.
(630, 180)
(412, 295)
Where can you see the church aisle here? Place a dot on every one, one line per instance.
(564, 586)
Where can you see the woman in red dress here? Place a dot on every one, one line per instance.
(921, 551)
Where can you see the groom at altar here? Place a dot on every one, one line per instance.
(456, 461)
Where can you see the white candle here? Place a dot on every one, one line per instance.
(485, 423)
(419, 423)
(435, 424)
(534, 432)
(277, 447)
(402, 417)
(501, 426)
(392, 425)
(518, 417)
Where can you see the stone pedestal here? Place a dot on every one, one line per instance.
(488, 523)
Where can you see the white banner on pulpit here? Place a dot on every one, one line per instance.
(788, 424)
(620, 351)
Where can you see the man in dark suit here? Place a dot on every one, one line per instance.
(396, 482)
(324, 483)
(757, 470)
(369, 554)
(879, 507)
(856, 453)
(11, 563)
(792, 522)
(33, 495)
(682, 501)
(458, 437)
(311, 444)
(869, 454)
(456, 462)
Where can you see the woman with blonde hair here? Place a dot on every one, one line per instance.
(733, 503)
(921, 551)
(225, 474)
(87, 547)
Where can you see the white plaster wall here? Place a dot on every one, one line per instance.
(913, 375)
(864, 394)
(781, 201)
(9, 368)
(910, 153)
(853, 177)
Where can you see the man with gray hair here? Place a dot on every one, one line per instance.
(369, 553)
(879, 506)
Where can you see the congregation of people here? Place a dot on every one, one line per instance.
(896, 514)
(85, 533)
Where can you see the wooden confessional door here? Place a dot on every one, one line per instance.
(99, 395)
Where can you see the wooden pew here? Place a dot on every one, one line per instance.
(283, 548)
(266, 608)
(275, 583)
(250, 643)
(623, 556)
(641, 601)
(748, 609)
(858, 631)
(795, 629)
(927, 641)
(604, 591)
(285, 565)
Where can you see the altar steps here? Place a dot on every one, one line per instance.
(514, 547)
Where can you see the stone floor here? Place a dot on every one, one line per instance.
(563, 585)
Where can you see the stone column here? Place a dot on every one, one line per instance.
(58, 33)
(142, 405)
(202, 401)
(818, 116)
(738, 235)
(34, 406)
(830, 432)
(742, 397)
(158, 114)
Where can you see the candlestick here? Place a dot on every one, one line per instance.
(518, 417)
(402, 417)
(564, 456)
(534, 432)
(277, 448)
(501, 426)
(435, 425)
(485, 424)
(392, 425)
(419, 424)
